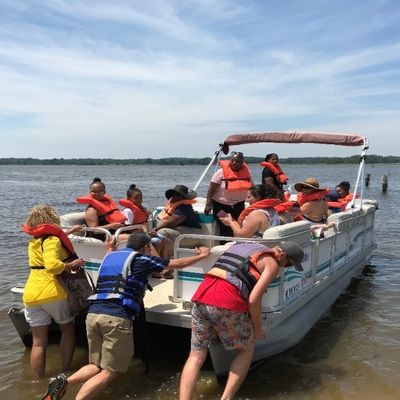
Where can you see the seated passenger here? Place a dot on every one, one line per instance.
(102, 211)
(312, 202)
(340, 197)
(259, 216)
(177, 217)
(289, 211)
(136, 213)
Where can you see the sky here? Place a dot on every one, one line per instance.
(138, 79)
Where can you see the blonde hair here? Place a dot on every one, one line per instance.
(42, 214)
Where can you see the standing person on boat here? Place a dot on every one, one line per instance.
(102, 209)
(228, 190)
(117, 299)
(259, 216)
(272, 173)
(177, 217)
(50, 253)
(227, 307)
(311, 198)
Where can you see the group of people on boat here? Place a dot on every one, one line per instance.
(225, 306)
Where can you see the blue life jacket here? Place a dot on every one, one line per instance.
(239, 261)
(116, 281)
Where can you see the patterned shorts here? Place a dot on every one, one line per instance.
(209, 323)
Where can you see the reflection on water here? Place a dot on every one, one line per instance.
(351, 353)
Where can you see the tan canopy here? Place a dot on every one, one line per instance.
(341, 139)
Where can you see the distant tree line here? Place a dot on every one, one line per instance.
(372, 159)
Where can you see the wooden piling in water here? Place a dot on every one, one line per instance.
(384, 183)
(367, 179)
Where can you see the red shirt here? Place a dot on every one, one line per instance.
(218, 292)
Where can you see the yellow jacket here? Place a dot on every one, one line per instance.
(43, 285)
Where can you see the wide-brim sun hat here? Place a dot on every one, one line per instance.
(295, 254)
(181, 190)
(311, 182)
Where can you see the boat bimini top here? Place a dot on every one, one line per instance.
(317, 137)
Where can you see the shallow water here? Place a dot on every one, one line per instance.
(351, 353)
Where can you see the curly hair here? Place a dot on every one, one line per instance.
(42, 214)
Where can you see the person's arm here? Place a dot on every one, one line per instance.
(174, 220)
(248, 229)
(210, 193)
(270, 271)
(202, 252)
(92, 220)
(72, 229)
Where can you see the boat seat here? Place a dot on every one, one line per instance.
(74, 218)
(342, 219)
(292, 229)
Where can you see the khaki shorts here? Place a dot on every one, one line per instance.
(110, 341)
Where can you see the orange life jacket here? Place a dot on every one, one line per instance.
(305, 198)
(107, 208)
(141, 213)
(235, 180)
(170, 207)
(342, 202)
(44, 230)
(258, 205)
(277, 171)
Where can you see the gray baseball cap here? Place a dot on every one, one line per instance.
(295, 254)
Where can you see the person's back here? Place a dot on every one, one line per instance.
(312, 202)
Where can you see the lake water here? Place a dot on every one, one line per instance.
(353, 352)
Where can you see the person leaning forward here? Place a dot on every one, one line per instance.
(229, 309)
(228, 190)
(109, 320)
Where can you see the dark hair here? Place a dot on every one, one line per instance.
(270, 155)
(344, 185)
(132, 190)
(137, 240)
(237, 153)
(97, 180)
(264, 191)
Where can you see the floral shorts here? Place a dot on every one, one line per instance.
(209, 323)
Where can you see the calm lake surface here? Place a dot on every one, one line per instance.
(353, 352)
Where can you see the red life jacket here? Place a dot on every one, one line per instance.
(305, 198)
(342, 202)
(141, 213)
(44, 230)
(107, 208)
(235, 181)
(276, 170)
(258, 205)
(170, 207)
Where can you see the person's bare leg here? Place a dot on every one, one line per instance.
(84, 374)
(96, 385)
(191, 373)
(238, 371)
(67, 344)
(38, 352)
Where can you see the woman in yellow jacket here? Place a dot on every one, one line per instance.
(50, 253)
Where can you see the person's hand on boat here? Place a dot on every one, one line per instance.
(74, 264)
(207, 209)
(73, 229)
(203, 251)
(260, 334)
(110, 243)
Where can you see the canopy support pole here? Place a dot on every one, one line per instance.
(216, 155)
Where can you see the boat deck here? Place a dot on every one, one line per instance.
(160, 309)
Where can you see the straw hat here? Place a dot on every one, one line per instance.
(309, 182)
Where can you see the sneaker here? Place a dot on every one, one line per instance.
(57, 388)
